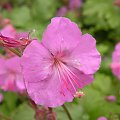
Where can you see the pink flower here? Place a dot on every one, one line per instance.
(116, 61)
(1, 97)
(10, 38)
(111, 98)
(74, 4)
(62, 63)
(11, 78)
(102, 118)
(62, 11)
(117, 3)
(8, 31)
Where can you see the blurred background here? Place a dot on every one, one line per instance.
(101, 18)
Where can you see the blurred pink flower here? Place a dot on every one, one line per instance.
(74, 4)
(102, 118)
(10, 71)
(4, 21)
(8, 31)
(1, 97)
(10, 38)
(62, 11)
(115, 66)
(11, 78)
(117, 3)
(62, 63)
(111, 98)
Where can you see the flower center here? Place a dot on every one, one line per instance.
(66, 76)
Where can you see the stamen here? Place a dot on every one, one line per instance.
(79, 94)
(70, 72)
(60, 83)
(62, 71)
(61, 75)
(66, 83)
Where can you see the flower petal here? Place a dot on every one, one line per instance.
(48, 92)
(21, 35)
(13, 64)
(8, 31)
(116, 69)
(80, 78)
(2, 66)
(20, 82)
(2, 71)
(36, 62)
(61, 34)
(53, 92)
(85, 56)
(116, 54)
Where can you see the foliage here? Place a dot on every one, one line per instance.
(101, 18)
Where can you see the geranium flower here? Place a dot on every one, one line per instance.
(102, 118)
(74, 4)
(111, 98)
(11, 78)
(62, 11)
(62, 63)
(115, 66)
(10, 38)
(8, 31)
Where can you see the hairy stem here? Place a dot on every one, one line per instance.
(67, 112)
(11, 49)
(15, 51)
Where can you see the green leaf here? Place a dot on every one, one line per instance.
(94, 101)
(24, 112)
(43, 10)
(9, 103)
(77, 112)
(20, 16)
(104, 12)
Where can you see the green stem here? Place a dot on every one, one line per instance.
(67, 112)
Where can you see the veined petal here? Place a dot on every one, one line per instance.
(48, 92)
(61, 34)
(85, 56)
(36, 62)
(57, 89)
